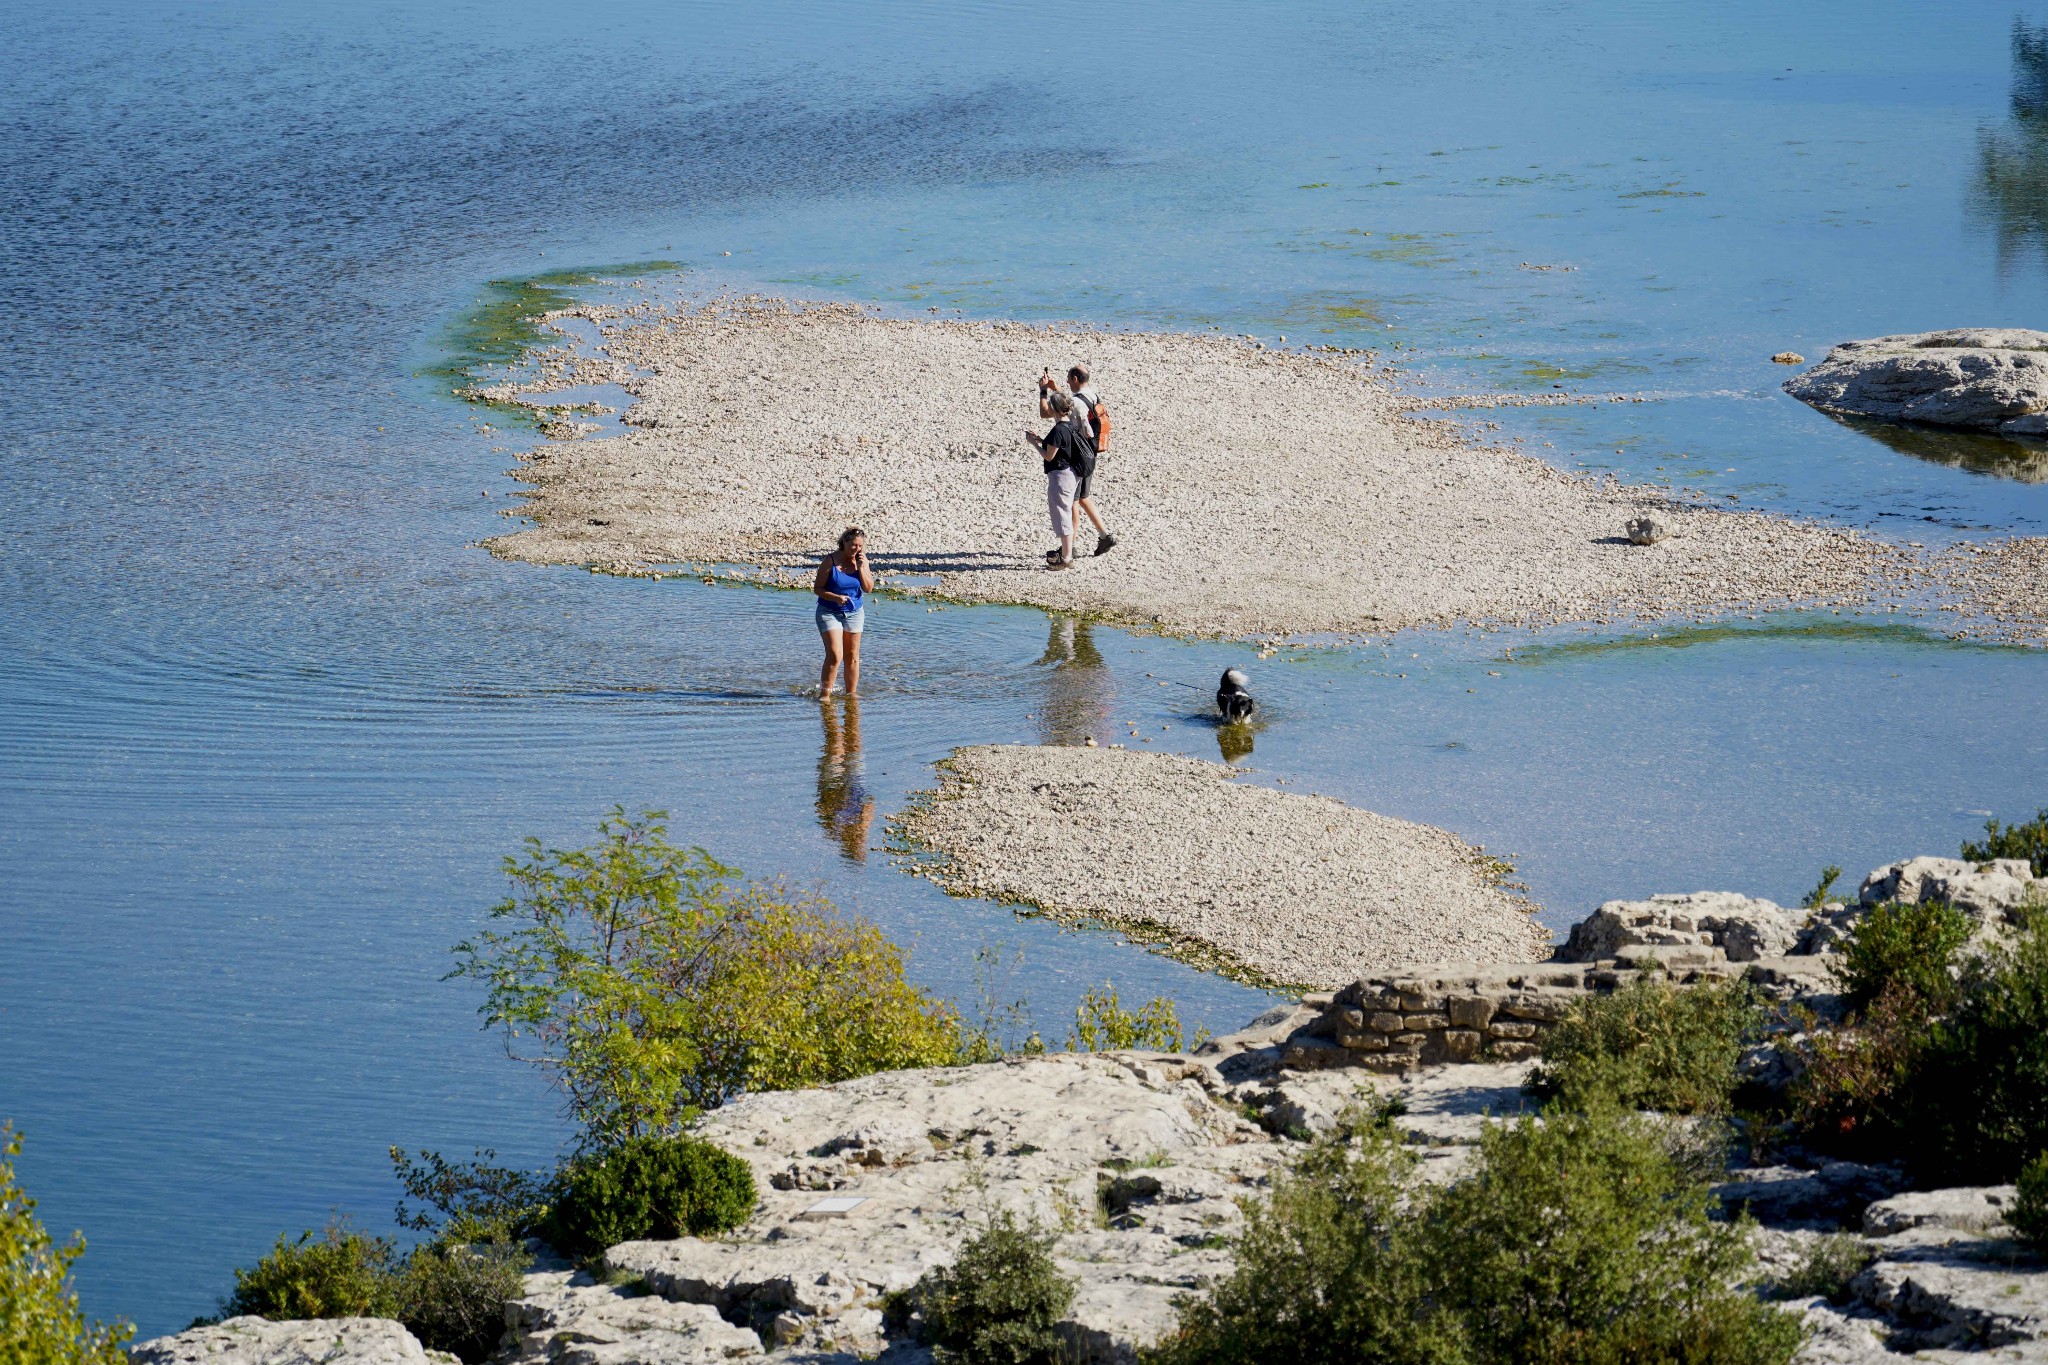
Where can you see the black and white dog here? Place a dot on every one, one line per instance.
(1233, 702)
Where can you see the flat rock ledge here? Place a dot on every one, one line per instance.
(258, 1341)
(1991, 379)
(1138, 1162)
(1268, 886)
(1253, 492)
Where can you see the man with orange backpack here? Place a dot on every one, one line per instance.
(1097, 422)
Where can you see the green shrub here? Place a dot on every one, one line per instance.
(1818, 897)
(452, 1296)
(998, 1303)
(1916, 946)
(2028, 1217)
(1102, 1024)
(1329, 1270)
(1832, 1262)
(342, 1274)
(1574, 1239)
(40, 1322)
(1855, 1093)
(651, 985)
(1651, 1045)
(1979, 1101)
(649, 1187)
(2029, 841)
(470, 1201)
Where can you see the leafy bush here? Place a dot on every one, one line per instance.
(1102, 1024)
(343, 1274)
(1651, 1046)
(1979, 1102)
(649, 1187)
(471, 1201)
(652, 985)
(1328, 1269)
(998, 1302)
(2029, 841)
(1916, 946)
(1832, 1262)
(1575, 1239)
(40, 1321)
(1855, 1092)
(452, 1296)
(2028, 1217)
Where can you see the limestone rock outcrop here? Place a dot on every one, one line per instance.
(258, 1341)
(1982, 378)
(1744, 928)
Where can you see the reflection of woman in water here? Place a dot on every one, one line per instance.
(845, 809)
(1079, 690)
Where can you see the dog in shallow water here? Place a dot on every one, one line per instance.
(1233, 702)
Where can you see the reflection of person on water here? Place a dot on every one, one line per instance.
(845, 809)
(1078, 685)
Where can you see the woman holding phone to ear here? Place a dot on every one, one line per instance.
(842, 585)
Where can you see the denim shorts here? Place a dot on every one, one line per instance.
(831, 618)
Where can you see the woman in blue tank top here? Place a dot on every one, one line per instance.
(842, 585)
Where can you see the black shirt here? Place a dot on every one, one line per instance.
(1070, 438)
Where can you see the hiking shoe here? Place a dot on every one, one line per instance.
(1051, 555)
(1104, 543)
(1059, 563)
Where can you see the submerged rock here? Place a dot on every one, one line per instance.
(1981, 378)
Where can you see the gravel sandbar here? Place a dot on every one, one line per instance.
(1254, 492)
(1268, 886)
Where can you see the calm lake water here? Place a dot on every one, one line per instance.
(267, 722)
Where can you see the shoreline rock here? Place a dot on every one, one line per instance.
(1978, 378)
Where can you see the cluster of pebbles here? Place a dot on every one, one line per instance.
(1253, 492)
(1266, 885)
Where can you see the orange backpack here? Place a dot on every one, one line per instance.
(1098, 422)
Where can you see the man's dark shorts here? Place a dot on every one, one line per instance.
(1084, 476)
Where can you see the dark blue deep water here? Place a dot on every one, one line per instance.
(268, 722)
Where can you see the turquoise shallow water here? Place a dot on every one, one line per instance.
(267, 722)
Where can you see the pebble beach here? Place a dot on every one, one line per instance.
(1254, 492)
(1269, 886)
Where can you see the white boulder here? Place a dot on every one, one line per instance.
(1983, 378)
(259, 1341)
(1743, 927)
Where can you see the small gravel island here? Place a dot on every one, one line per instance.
(1253, 492)
(1266, 885)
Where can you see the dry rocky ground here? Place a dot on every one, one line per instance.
(1254, 492)
(1268, 885)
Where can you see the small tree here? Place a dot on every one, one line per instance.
(651, 984)
(40, 1321)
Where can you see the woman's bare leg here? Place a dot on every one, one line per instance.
(832, 652)
(852, 662)
(1088, 505)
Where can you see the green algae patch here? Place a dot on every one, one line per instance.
(1843, 632)
(503, 325)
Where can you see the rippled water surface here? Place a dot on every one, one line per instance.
(267, 721)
